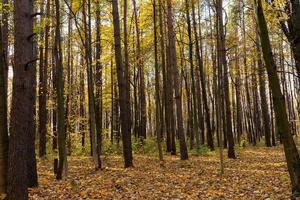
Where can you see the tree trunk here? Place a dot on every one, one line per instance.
(22, 130)
(142, 94)
(210, 141)
(3, 123)
(43, 85)
(173, 63)
(290, 149)
(61, 171)
(158, 125)
(193, 104)
(98, 96)
(263, 96)
(222, 53)
(124, 109)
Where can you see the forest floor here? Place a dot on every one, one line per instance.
(257, 173)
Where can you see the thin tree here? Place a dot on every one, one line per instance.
(193, 106)
(173, 63)
(263, 96)
(290, 149)
(222, 54)
(210, 141)
(3, 123)
(98, 95)
(61, 131)
(42, 126)
(124, 109)
(158, 125)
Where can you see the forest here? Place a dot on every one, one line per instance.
(149, 99)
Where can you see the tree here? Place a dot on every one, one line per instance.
(61, 131)
(222, 56)
(141, 75)
(43, 85)
(290, 149)
(210, 141)
(124, 109)
(291, 29)
(158, 116)
(3, 123)
(194, 121)
(22, 133)
(263, 94)
(173, 63)
(98, 96)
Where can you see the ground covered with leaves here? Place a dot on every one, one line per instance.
(257, 173)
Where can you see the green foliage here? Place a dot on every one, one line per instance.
(147, 146)
(109, 148)
(201, 150)
(243, 143)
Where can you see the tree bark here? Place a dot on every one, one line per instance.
(173, 63)
(158, 125)
(42, 127)
(22, 129)
(263, 96)
(124, 109)
(290, 149)
(222, 54)
(61, 131)
(3, 123)
(98, 96)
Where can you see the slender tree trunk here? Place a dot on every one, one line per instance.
(82, 129)
(263, 96)
(292, 29)
(173, 63)
(113, 117)
(229, 134)
(3, 123)
(124, 109)
(158, 125)
(98, 96)
(90, 83)
(142, 94)
(61, 171)
(193, 104)
(126, 67)
(202, 82)
(290, 149)
(5, 15)
(42, 127)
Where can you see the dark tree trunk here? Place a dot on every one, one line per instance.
(210, 141)
(42, 130)
(5, 10)
(158, 119)
(61, 171)
(22, 130)
(98, 96)
(142, 94)
(291, 29)
(81, 106)
(222, 51)
(126, 69)
(263, 96)
(173, 63)
(3, 123)
(193, 104)
(124, 109)
(290, 149)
